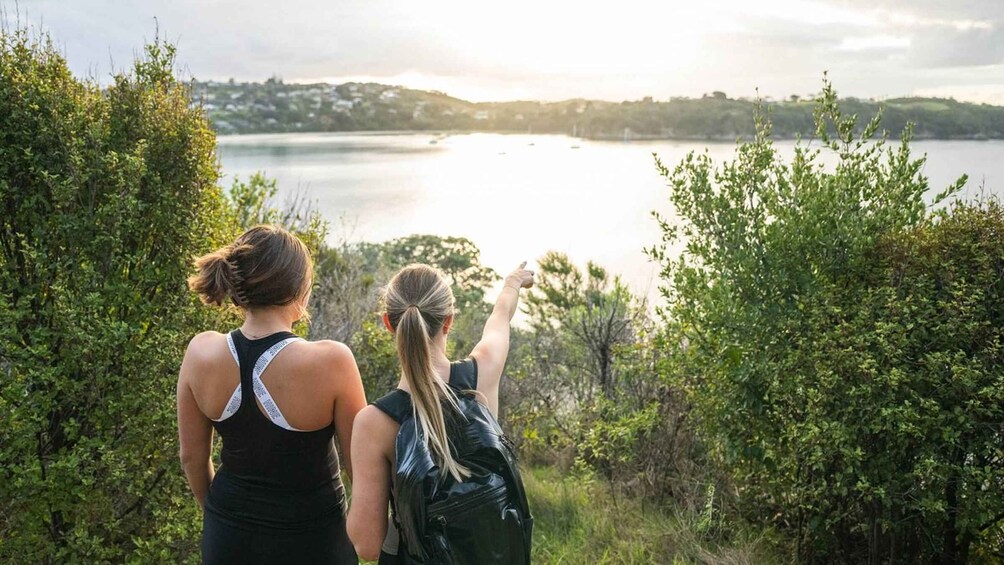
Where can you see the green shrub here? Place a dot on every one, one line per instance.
(841, 345)
(376, 355)
(105, 196)
(566, 361)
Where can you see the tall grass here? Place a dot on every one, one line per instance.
(578, 521)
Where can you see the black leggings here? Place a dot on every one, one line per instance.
(223, 543)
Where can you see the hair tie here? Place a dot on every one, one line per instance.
(238, 294)
(415, 306)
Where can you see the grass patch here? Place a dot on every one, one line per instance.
(577, 522)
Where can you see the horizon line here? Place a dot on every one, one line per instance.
(331, 81)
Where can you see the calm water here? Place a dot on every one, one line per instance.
(517, 196)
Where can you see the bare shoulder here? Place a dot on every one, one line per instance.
(327, 353)
(328, 362)
(374, 435)
(205, 340)
(372, 423)
(205, 347)
(205, 354)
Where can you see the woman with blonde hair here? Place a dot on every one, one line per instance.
(420, 312)
(277, 400)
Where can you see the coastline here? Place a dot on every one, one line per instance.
(602, 137)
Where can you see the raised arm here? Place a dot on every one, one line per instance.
(491, 352)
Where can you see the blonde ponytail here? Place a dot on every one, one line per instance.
(418, 302)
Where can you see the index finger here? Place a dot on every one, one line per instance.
(522, 265)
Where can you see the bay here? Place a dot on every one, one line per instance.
(518, 196)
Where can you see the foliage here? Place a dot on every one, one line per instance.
(253, 202)
(577, 521)
(846, 378)
(552, 373)
(276, 107)
(611, 442)
(587, 315)
(641, 440)
(376, 356)
(105, 197)
(344, 295)
(585, 385)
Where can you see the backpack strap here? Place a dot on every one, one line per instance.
(396, 404)
(464, 374)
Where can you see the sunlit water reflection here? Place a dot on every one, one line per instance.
(518, 196)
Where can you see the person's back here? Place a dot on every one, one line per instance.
(419, 311)
(277, 401)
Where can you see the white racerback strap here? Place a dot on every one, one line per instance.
(235, 399)
(271, 408)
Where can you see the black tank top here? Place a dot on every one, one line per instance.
(271, 476)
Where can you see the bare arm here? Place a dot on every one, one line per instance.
(372, 447)
(195, 433)
(492, 350)
(349, 399)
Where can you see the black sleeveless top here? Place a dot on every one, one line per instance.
(272, 477)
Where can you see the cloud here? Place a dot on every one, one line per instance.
(552, 50)
(874, 43)
(253, 39)
(938, 34)
(929, 9)
(959, 48)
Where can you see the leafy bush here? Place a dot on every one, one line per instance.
(106, 195)
(565, 361)
(376, 355)
(585, 386)
(841, 344)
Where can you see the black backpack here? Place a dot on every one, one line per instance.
(485, 518)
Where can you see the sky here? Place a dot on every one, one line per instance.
(554, 49)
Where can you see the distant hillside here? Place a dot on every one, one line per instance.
(273, 106)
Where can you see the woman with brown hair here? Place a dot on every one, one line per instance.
(419, 311)
(277, 401)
